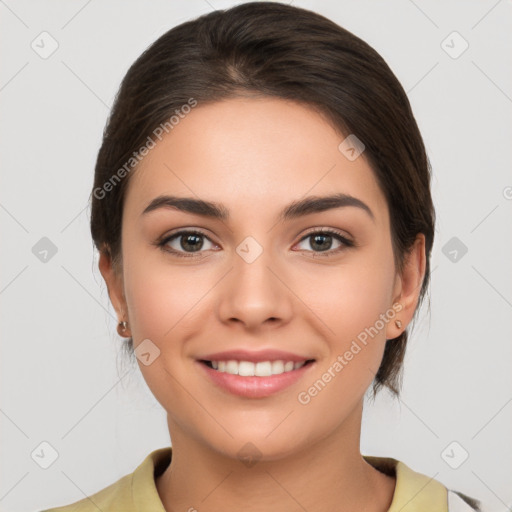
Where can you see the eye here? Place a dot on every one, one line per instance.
(323, 239)
(183, 242)
(187, 242)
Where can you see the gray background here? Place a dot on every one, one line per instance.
(62, 380)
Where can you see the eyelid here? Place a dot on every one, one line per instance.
(184, 231)
(325, 229)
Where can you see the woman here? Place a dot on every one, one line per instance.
(263, 214)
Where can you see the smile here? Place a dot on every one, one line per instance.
(251, 379)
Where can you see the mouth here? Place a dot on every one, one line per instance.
(256, 369)
(255, 379)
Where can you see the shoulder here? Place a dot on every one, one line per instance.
(416, 492)
(109, 498)
(131, 493)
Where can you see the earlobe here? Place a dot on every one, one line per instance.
(408, 286)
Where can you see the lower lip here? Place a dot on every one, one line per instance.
(255, 387)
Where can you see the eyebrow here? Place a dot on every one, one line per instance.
(296, 209)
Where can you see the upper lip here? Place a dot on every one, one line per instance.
(262, 355)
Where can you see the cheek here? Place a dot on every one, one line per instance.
(162, 299)
(353, 302)
(350, 298)
(356, 336)
(162, 304)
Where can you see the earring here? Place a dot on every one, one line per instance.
(398, 323)
(121, 327)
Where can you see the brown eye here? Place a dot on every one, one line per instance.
(185, 243)
(322, 241)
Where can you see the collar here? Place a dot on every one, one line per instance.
(414, 492)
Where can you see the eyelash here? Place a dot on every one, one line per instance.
(335, 234)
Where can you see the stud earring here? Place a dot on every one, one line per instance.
(121, 328)
(398, 323)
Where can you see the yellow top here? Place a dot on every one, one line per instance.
(137, 492)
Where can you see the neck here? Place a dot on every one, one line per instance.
(330, 474)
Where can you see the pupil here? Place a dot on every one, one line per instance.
(195, 246)
(322, 239)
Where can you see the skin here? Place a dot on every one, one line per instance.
(256, 155)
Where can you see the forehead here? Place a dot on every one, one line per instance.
(251, 152)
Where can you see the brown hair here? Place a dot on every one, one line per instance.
(275, 50)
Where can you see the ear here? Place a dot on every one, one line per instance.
(408, 286)
(114, 282)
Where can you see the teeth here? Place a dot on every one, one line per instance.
(277, 367)
(232, 367)
(260, 369)
(263, 369)
(245, 368)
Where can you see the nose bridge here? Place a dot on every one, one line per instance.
(253, 292)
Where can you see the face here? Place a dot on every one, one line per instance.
(263, 286)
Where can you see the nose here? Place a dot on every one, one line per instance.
(255, 294)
